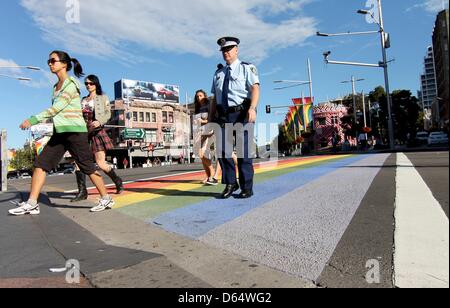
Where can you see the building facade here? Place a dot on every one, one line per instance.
(428, 86)
(328, 122)
(166, 126)
(441, 59)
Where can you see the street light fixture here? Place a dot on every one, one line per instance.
(32, 68)
(385, 44)
(17, 78)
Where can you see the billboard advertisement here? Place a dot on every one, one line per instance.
(143, 90)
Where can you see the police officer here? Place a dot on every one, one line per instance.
(236, 88)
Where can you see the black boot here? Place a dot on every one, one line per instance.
(116, 180)
(82, 190)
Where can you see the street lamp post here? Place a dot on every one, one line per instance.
(385, 43)
(297, 83)
(353, 82)
(384, 40)
(33, 68)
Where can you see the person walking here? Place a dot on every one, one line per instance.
(70, 134)
(236, 88)
(203, 138)
(96, 113)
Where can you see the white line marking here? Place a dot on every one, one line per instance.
(421, 257)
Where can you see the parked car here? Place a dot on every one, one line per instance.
(12, 175)
(422, 137)
(437, 138)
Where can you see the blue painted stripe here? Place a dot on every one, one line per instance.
(196, 220)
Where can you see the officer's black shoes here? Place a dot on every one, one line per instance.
(246, 194)
(229, 190)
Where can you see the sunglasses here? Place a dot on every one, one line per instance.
(227, 49)
(89, 84)
(52, 61)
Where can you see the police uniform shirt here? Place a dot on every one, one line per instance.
(243, 77)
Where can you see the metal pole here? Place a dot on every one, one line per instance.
(3, 161)
(354, 99)
(188, 114)
(311, 90)
(130, 155)
(386, 78)
(304, 115)
(364, 111)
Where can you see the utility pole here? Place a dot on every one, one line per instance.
(353, 82)
(3, 162)
(384, 40)
(385, 44)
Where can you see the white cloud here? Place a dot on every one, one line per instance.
(107, 28)
(273, 71)
(39, 79)
(432, 6)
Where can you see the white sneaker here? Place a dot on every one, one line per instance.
(103, 205)
(24, 209)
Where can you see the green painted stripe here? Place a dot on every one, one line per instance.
(170, 200)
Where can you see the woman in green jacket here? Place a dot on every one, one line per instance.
(70, 134)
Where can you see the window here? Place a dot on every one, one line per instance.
(135, 116)
(151, 136)
(322, 121)
(335, 120)
(147, 117)
(154, 117)
(164, 116)
(169, 137)
(141, 117)
(170, 117)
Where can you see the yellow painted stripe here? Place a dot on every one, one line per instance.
(134, 198)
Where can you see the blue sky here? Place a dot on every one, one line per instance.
(174, 42)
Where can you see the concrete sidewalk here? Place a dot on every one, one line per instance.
(32, 245)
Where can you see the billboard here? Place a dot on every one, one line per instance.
(132, 89)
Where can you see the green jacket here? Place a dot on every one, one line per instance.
(66, 110)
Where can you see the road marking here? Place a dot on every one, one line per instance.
(137, 181)
(421, 258)
(133, 198)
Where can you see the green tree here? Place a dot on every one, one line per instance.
(24, 159)
(285, 139)
(407, 110)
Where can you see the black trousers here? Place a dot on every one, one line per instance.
(236, 135)
(78, 146)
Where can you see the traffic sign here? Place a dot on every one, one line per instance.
(131, 133)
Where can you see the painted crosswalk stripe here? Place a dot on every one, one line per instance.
(422, 232)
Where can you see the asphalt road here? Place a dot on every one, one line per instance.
(318, 222)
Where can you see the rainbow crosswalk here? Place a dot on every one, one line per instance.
(148, 199)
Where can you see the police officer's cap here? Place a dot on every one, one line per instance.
(225, 42)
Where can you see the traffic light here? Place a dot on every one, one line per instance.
(268, 109)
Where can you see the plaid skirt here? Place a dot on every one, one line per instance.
(99, 140)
